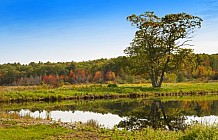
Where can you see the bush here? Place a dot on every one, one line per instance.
(130, 79)
(180, 77)
(112, 85)
(170, 77)
(119, 80)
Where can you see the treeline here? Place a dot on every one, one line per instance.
(203, 67)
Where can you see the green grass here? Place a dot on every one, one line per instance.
(32, 132)
(194, 132)
(90, 131)
(102, 91)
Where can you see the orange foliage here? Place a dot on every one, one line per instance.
(98, 76)
(81, 74)
(51, 80)
(110, 76)
(72, 74)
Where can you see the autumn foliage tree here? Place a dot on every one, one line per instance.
(110, 76)
(81, 75)
(157, 46)
(72, 76)
(98, 76)
(51, 80)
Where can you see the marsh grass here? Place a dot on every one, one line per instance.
(102, 91)
(194, 132)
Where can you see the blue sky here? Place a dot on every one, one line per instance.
(77, 30)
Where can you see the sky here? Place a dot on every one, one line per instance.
(81, 30)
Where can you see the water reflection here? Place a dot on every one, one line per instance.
(205, 120)
(157, 118)
(126, 113)
(105, 120)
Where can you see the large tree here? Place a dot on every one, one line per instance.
(158, 44)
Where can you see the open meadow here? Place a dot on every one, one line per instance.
(103, 91)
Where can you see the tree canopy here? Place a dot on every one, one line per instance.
(158, 44)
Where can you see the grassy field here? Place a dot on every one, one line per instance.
(15, 128)
(36, 93)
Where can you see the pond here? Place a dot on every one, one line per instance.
(124, 113)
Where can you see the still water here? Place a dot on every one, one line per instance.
(107, 120)
(124, 113)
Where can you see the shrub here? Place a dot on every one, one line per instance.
(112, 85)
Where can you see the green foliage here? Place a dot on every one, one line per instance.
(130, 79)
(170, 78)
(180, 77)
(155, 48)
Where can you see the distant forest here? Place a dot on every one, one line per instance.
(203, 67)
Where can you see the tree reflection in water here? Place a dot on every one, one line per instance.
(157, 118)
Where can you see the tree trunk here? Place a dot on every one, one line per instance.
(153, 76)
(163, 71)
(154, 81)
